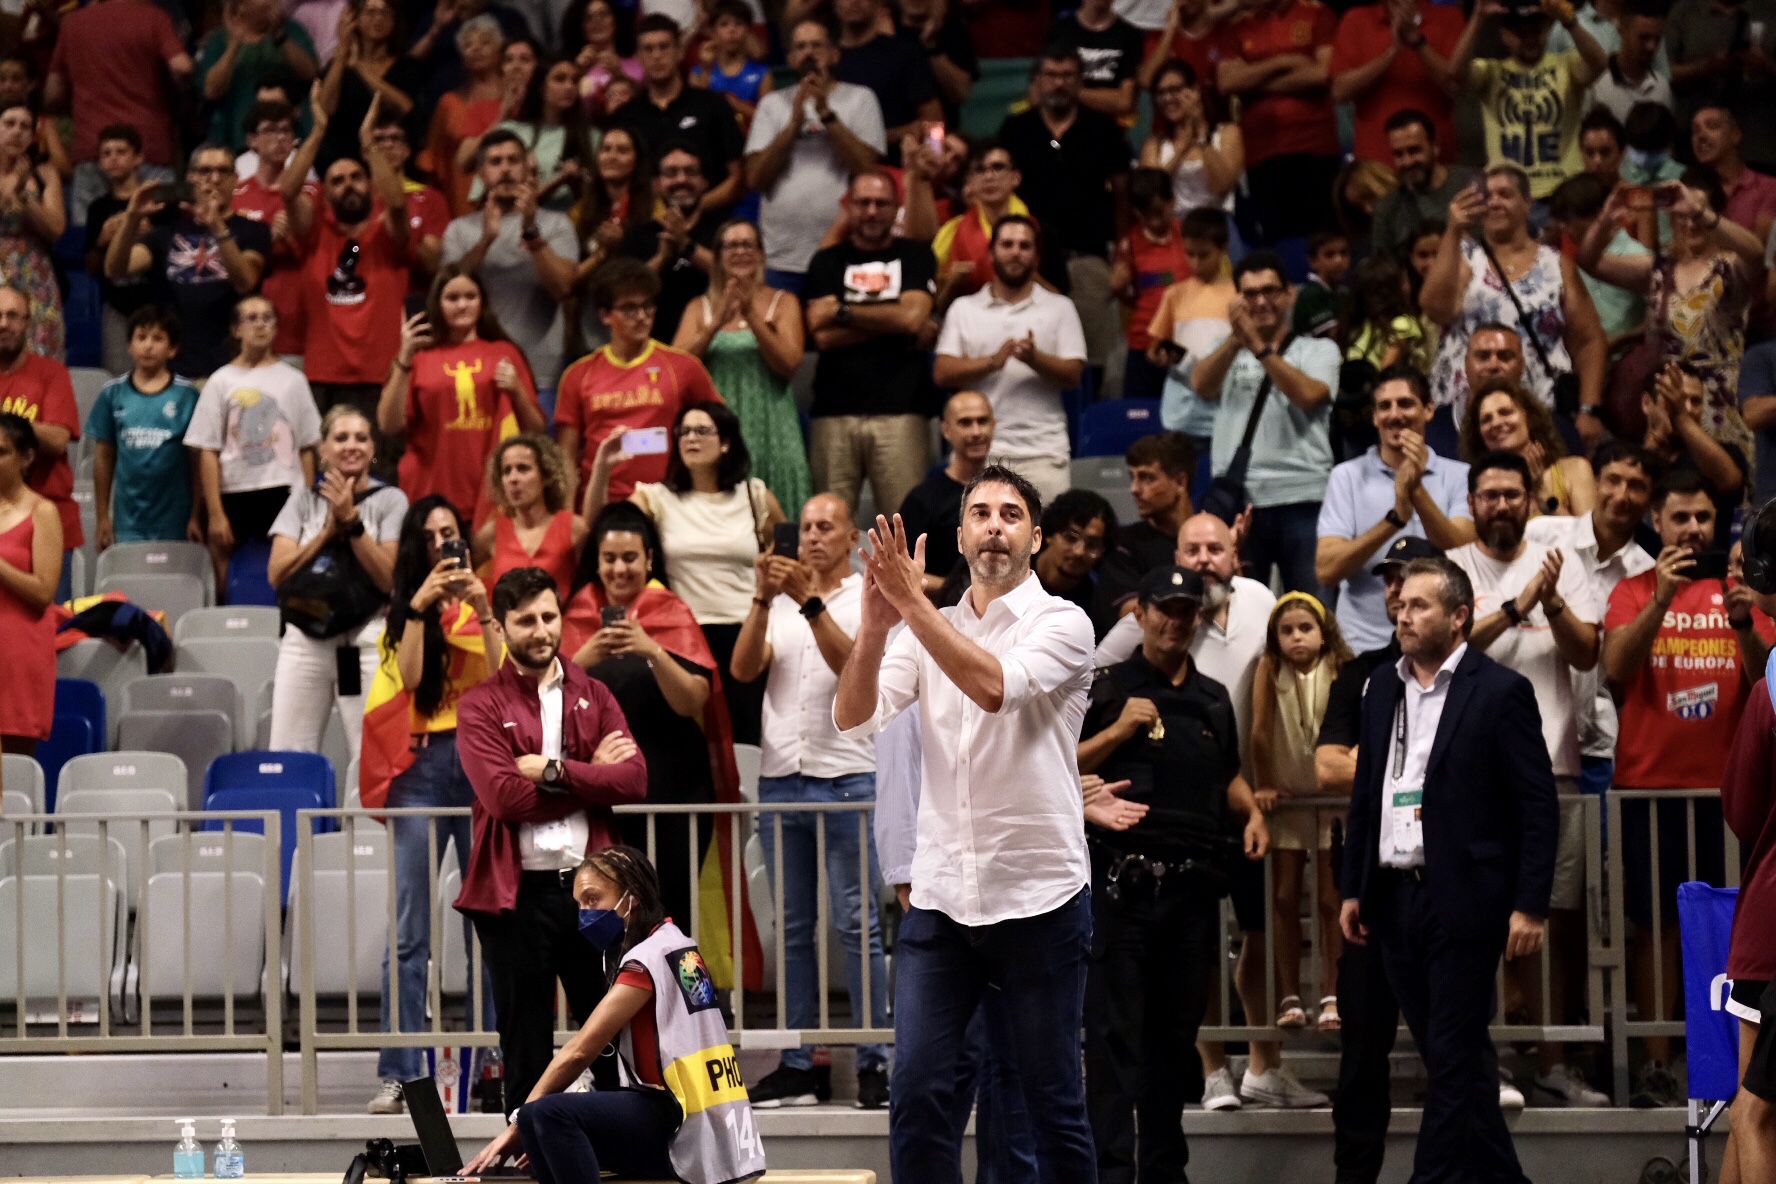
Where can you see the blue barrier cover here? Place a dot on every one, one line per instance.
(1705, 915)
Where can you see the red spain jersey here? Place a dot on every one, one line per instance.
(599, 395)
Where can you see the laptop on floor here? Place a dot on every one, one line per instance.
(436, 1140)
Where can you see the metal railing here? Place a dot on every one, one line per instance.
(327, 951)
(53, 865)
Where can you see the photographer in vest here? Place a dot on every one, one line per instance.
(659, 1010)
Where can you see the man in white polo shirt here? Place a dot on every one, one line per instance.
(1021, 346)
(1000, 909)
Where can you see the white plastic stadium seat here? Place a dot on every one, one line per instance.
(188, 692)
(225, 930)
(233, 620)
(171, 595)
(103, 663)
(341, 964)
(61, 938)
(195, 737)
(94, 806)
(24, 774)
(160, 559)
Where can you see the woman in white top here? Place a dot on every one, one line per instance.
(714, 518)
(1204, 158)
(346, 522)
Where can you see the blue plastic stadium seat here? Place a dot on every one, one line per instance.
(266, 780)
(247, 582)
(78, 729)
(1109, 427)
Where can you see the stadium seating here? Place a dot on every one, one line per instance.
(106, 663)
(159, 559)
(189, 692)
(1107, 428)
(224, 884)
(88, 381)
(247, 662)
(172, 596)
(247, 582)
(351, 890)
(71, 941)
(23, 774)
(14, 803)
(265, 780)
(78, 728)
(85, 557)
(1107, 476)
(194, 737)
(233, 620)
(104, 811)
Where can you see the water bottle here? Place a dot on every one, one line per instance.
(230, 1163)
(188, 1157)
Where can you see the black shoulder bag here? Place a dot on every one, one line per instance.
(332, 595)
(1566, 383)
(1227, 497)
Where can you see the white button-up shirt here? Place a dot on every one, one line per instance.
(1029, 419)
(1001, 818)
(1424, 711)
(797, 727)
(551, 846)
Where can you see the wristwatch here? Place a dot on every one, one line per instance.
(530, 233)
(812, 607)
(1512, 613)
(842, 314)
(1266, 352)
(553, 773)
(1392, 518)
(1595, 409)
(356, 529)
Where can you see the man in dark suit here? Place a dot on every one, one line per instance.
(1449, 858)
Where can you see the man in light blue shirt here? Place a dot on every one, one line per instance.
(1398, 487)
(1292, 446)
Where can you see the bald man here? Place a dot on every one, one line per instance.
(805, 611)
(934, 507)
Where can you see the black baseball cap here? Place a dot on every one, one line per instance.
(1403, 550)
(1164, 584)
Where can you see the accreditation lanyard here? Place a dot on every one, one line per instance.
(1405, 799)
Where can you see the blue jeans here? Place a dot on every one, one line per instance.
(435, 778)
(988, 1080)
(801, 986)
(1029, 974)
(1285, 537)
(571, 1138)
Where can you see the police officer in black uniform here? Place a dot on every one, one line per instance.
(1158, 723)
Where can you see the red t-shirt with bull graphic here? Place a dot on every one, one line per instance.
(599, 395)
(1679, 712)
(455, 419)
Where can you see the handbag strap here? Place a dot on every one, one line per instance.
(1242, 455)
(1522, 316)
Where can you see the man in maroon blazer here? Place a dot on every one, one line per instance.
(548, 753)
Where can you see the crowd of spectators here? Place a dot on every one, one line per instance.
(647, 294)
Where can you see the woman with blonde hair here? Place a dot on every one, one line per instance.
(1303, 650)
(750, 339)
(532, 524)
(1502, 418)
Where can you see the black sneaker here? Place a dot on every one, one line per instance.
(872, 1089)
(785, 1087)
(823, 1084)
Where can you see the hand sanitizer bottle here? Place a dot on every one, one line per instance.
(188, 1157)
(230, 1163)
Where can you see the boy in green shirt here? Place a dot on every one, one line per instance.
(144, 481)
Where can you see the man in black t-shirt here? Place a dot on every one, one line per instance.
(667, 109)
(868, 298)
(1369, 1015)
(679, 244)
(1076, 531)
(1109, 52)
(955, 67)
(934, 507)
(892, 65)
(198, 258)
(1160, 467)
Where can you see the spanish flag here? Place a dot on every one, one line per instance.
(390, 719)
(721, 889)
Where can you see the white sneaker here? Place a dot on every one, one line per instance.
(388, 1099)
(1566, 1086)
(1278, 1087)
(1218, 1091)
(1510, 1097)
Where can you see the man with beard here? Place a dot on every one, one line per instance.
(1449, 856)
(668, 107)
(1074, 163)
(40, 389)
(1534, 612)
(356, 253)
(1391, 59)
(934, 507)
(1021, 346)
(1000, 907)
(198, 258)
(1158, 723)
(526, 256)
(1683, 651)
(804, 613)
(548, 753)
(1427, 185)
(1398, 487)
(1495, 352)
(868, 299)
(1076, 531)
(679, 242)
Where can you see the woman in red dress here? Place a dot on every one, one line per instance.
(30, 567)
(531, 524)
